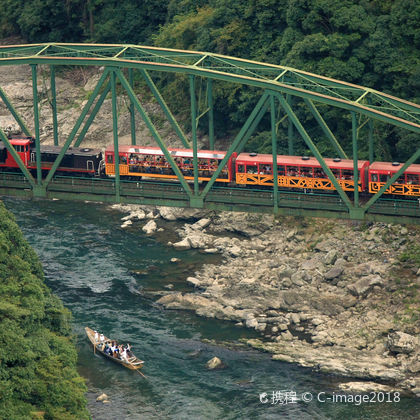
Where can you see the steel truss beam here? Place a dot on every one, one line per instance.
(321, 89)
(314, 149)
(276, 81)
(153, 130)
(165, 109)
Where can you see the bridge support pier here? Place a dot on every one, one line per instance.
(357, 213)
(197, 202)
(39, 191)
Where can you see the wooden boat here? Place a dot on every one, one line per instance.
(132, 362)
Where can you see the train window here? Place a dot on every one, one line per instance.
(400, 180)
(110, 159)
(281, 170)
(265, 169)
(347, 174)
(383, 177)
(336, 173)
(241, 168)
(123, 160)
(251, 169)
(319, 173)
(292, 171)
(306, 172)
(374, 177)
(214, 163)
(413, 179)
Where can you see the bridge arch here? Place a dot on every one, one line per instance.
(277, 83)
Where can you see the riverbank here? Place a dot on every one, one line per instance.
(339, 297)
(38, 362)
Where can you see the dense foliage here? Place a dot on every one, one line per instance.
(375, 44)
(37, 362)
(371, 43)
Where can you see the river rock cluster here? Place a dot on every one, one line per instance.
(330, 295)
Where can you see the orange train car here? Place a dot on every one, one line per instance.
(150, 162)
(298, 172)
(407, 184)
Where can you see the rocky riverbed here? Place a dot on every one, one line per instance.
(331, 295)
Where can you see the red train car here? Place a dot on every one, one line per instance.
(145, 161)
(298, 172)
(407, 184)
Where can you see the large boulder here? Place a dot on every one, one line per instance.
(201, 224)
(335, 272)
(182, 245)
(363, 286)
(400, 342)
(150, 227)
(214, 363)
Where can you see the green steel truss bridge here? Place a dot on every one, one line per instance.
(280, 88)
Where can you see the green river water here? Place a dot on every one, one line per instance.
(107, 277)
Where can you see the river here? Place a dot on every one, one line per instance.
(107, 277)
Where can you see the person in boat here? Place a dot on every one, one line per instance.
(96, 336)
(115, 349)
(129, 353)
(101, 338)
(124, 356)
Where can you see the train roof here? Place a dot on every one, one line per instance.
(146, 150)
(20, 141)
(79, 151)
(246, 158)
(392, 167)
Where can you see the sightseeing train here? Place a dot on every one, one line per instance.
(244, 169)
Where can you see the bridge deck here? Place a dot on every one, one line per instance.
(219, 198)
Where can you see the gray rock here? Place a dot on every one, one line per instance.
(193, 281)
(330, 258)
(210, 250)
(261, 327)
(333, 273)
(323, 246)
(214, 363)
(287, 335)
(150, 227)
(363, 286)
(295, 318)
(102, 397)
(363, 387)
(235, 251)
(126, 223)
(201, 224)
(400, 342)
(182, 245)
(310, 264)
(251, 323)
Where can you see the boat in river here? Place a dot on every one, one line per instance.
(131, 362)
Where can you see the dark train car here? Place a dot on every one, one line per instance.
(76, 160)
(146, 161)
(407, 184)
(298, 172)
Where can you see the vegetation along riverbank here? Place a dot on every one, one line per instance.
(38, 376)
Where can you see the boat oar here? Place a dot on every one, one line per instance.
(144, 376)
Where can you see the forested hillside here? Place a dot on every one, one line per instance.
(372, 43)
(38, 377)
